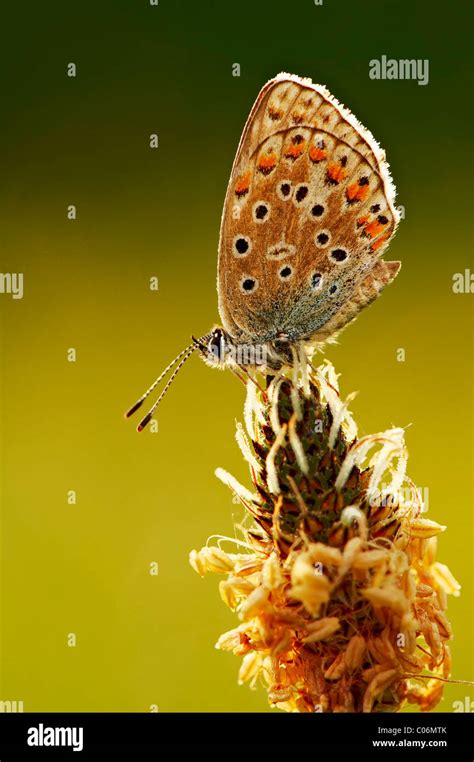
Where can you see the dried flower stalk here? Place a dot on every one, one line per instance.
(341, 600)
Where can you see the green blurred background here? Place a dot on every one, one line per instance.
(147, 640)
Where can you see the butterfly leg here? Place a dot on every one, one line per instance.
(254, 381)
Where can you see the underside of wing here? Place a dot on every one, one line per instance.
(309, 211)
(363, 294)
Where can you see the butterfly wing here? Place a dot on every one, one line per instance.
(308, 213)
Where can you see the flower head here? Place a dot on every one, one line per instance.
(340, 598)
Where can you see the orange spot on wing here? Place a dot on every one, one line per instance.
(336, 173)
(267, 163)
(373, 228)
(317, 154)
(362, 220)
(356, 192)
(295, 150)
(379, 242)
(243, 183)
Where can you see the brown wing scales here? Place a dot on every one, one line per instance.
(308, 213)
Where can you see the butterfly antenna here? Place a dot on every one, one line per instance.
(199, 343)
(149, 415)
(142, 399)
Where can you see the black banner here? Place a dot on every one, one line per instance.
(90, 736)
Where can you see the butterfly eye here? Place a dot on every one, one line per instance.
(333, 289)
(338, 255)
(242, 245)
(317, 210)
(216, 346)
(248, 285)
(322, 239)
(285, 273)
(261, 211)
(316, 280)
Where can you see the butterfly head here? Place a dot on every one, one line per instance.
(216, 348)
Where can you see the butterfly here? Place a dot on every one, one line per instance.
(308, 214)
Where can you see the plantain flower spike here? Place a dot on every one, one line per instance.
(340, 599)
